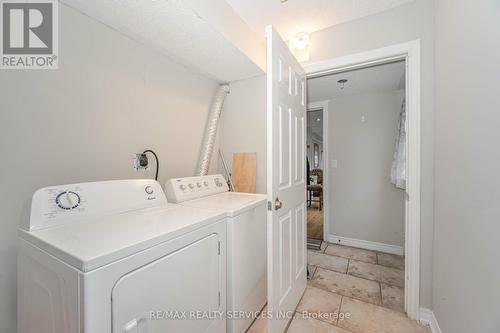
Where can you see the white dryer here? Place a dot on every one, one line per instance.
(246, 241)
(116, 257)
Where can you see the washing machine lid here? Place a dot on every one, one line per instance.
(95, 242)
(233, 203)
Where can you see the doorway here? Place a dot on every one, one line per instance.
(315, 180)
(410, 53)
(366, 117)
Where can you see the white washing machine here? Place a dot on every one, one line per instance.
(116, 257)
(246, 241)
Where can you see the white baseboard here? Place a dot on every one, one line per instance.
(427, 318)
(363, 244)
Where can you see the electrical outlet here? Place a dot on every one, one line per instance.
(140, 162)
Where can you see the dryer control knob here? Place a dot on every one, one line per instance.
(68, 200)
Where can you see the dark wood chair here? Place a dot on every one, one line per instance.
(316, 190)
(318, 173)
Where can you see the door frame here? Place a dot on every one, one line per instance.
(315, 106)
(410, 52)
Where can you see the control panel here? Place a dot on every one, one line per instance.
(189, 188)
(56, 205)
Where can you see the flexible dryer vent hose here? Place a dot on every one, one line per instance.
(207, 148)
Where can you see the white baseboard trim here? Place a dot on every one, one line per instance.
(363, 244)
(427, 318)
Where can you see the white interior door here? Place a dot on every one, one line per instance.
(286, 185)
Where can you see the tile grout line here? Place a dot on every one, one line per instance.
(380, 288)
(340, 310)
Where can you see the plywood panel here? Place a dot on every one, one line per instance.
(244, 172)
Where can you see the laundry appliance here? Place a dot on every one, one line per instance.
(114, 256)
(246, 241)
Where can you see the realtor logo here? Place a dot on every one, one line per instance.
(29, 34)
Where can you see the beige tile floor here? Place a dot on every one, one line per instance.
(362, 289)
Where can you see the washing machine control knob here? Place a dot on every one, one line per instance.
(191, 186)
(149, 189)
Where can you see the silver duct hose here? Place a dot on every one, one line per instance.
(210, 133)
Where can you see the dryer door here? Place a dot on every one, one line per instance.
(163, 295)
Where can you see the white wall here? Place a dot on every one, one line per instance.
(110, 97)
(363, 203)
(404, 23)
(243, 125)
(467, 210)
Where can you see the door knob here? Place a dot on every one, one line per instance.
(277, 204)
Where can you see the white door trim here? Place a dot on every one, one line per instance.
(409, 51)
(323, 105)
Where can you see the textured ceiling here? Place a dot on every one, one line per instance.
(182, 30)
(387, 77)
(215, 37)
(295, 16)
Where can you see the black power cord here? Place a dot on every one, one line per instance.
(157, 163)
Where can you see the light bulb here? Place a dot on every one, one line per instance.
(301, 40)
